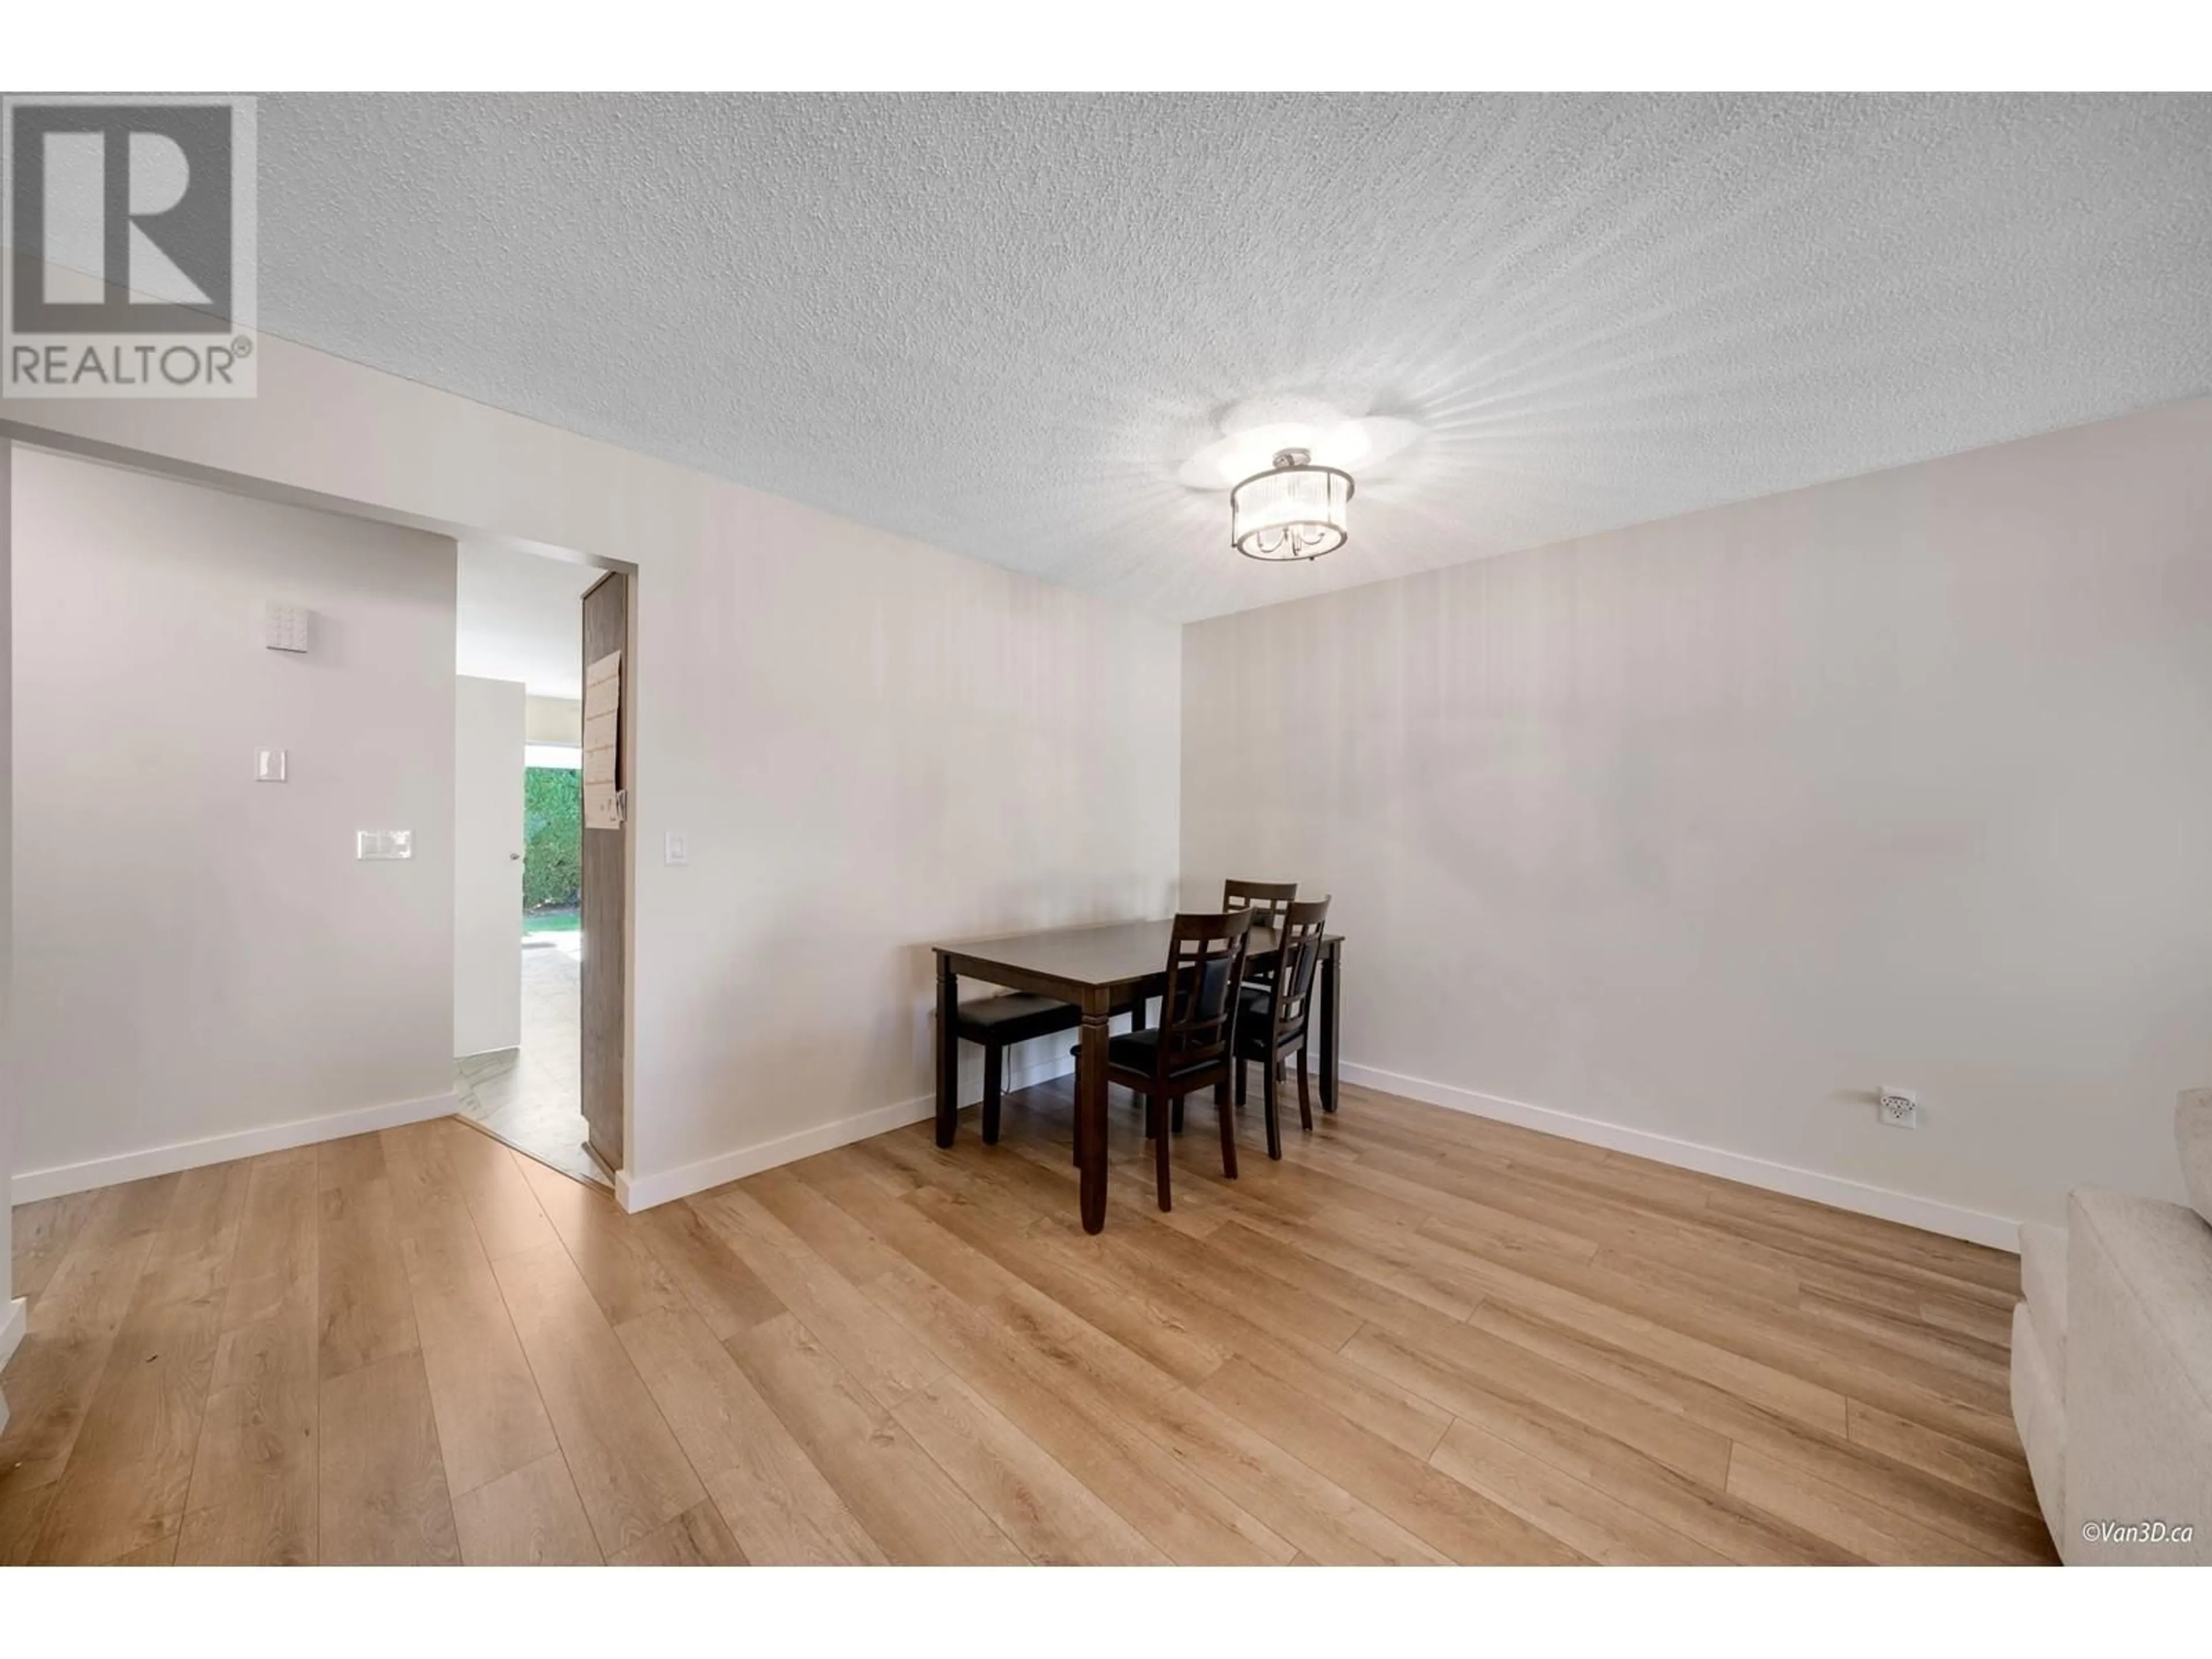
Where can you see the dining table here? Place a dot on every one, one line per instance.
(1096, 970)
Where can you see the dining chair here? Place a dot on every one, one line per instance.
(1266, 900)
(997, 1023)
(1193, 1046)
(1275, 1015)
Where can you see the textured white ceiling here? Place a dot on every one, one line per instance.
(1000, 323)
(519, 619)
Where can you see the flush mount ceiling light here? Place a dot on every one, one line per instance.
(1285, 463)
(1294, 510)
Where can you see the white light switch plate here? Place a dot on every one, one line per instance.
(676, 848)
(269, 766)
(384, 844)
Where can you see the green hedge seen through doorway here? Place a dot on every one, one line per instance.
(552, 845)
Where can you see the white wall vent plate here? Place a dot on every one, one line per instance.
(284, 627)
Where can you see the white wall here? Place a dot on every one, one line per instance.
(872, 743)
(555, 720)
(200, 957)
(521, 618)
(1715, 824)
(488, 832)
(1706, 830)
(11, 1317)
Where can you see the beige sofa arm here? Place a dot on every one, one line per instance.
(2138, 1389)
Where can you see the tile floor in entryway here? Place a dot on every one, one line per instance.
(530, 1097)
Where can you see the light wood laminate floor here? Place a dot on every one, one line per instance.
(1421, 1337)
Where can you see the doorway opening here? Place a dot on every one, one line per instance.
(520, 933)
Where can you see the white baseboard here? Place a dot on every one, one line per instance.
(635, 1193)
(1043, 1070)
(30, 1185)
(1953, 1220)
(642, 1191)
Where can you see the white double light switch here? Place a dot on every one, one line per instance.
(384, 844)
(269, 766)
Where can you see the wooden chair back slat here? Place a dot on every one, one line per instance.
(1266, 900)
(1305, 926)
(1198, 1011)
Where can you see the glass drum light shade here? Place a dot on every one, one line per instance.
(1295, 511)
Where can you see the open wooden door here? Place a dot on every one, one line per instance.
(602, 1010)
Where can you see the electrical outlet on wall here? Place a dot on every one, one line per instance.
(1900, 1107)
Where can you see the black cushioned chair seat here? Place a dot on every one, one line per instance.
(1140, 1051)
(1015, 1016)
(1252, 1014)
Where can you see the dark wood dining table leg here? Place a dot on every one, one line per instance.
(1091, 1111)
(995, 1060)
(948, 1054)
(1331, 994)
(1221, 1109)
